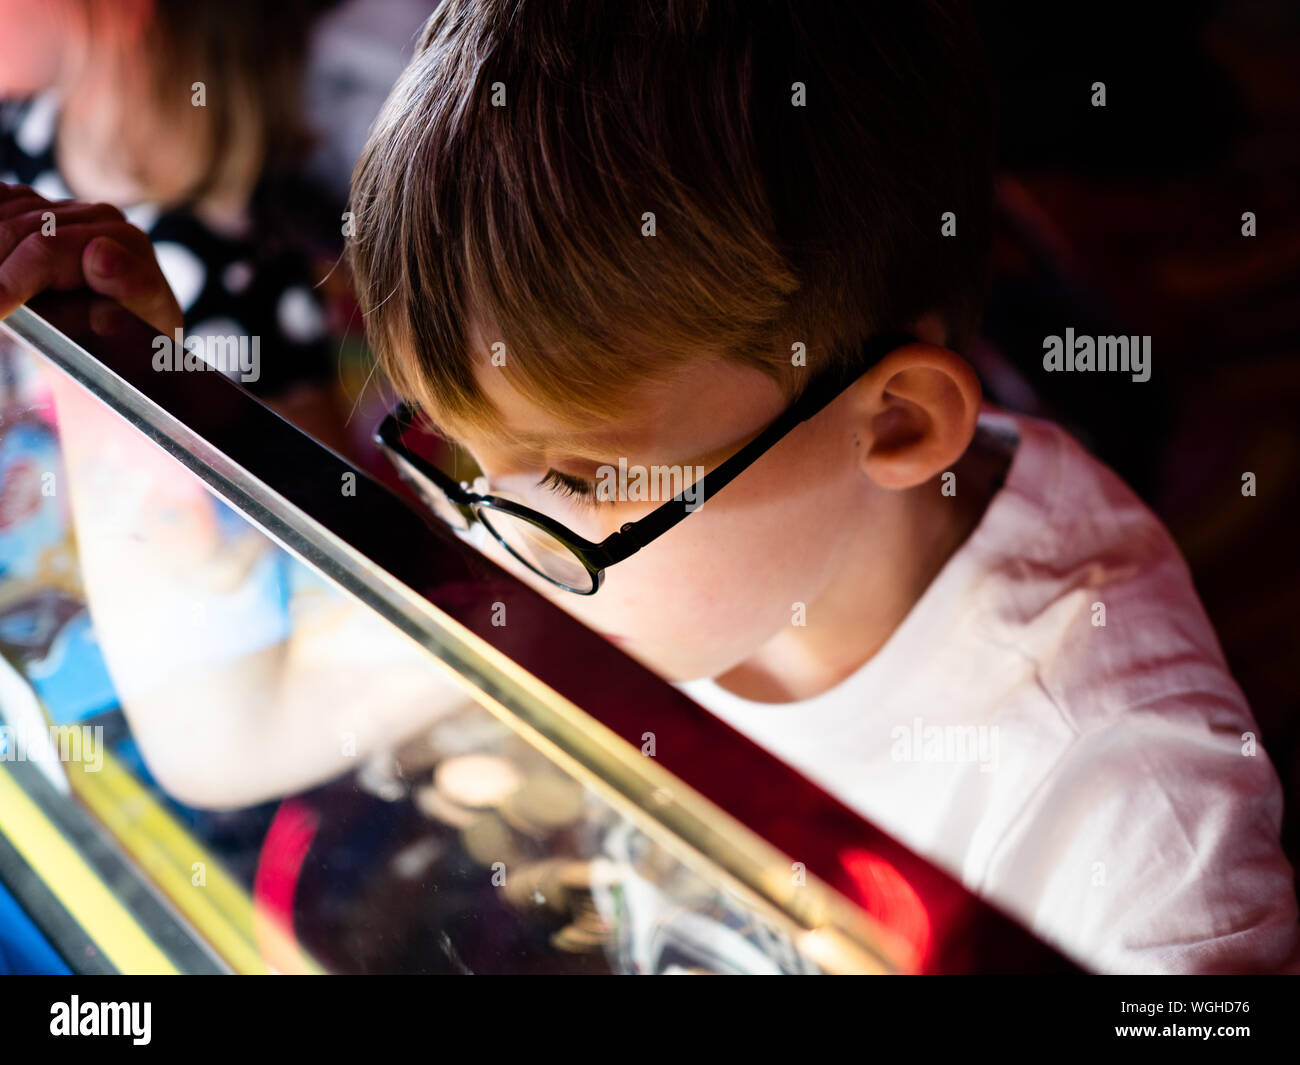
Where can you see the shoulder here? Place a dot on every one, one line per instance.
(1154, 848)
(1086, 584)
(1151, 838)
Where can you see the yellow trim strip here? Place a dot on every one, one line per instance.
(220, 910)
(75, 884)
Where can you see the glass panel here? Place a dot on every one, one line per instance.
(320, 736)
(221, 674)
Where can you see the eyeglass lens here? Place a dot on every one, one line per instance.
(537, 548)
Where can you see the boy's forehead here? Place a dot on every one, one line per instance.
(702, 405)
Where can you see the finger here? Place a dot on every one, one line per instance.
(20, 200)
(118, 271)
(108, 317)
(48, 217)
(34, 264)
(72, 257)
(10, 192)
(25, 201)
(17, 198)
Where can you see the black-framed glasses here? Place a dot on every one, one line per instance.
(555, 552)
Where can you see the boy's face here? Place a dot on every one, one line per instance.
(710, 592)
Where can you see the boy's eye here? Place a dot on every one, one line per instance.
(574, 487)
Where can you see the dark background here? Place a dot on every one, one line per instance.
(1127, 219)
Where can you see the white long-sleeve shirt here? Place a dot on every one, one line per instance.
(1055, 725)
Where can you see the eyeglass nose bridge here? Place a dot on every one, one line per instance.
(479, 496)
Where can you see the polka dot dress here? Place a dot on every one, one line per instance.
(255, 286)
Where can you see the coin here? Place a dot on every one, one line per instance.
(591, 922)
(433, 804)
(574, 939)
(580, 875)
(417, 755)
(536, 885)
(545, 803)
(479, 781)
(488, 841)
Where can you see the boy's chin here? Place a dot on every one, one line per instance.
(673, 668)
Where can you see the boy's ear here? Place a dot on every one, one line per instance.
(915, 414)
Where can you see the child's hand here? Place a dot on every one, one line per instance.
(80, 245)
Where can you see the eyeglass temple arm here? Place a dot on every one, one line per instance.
(819, 394)
(389, 435)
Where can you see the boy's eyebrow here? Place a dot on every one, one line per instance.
(578, 445)
(585, 446)
(703, 461)
(571, 442)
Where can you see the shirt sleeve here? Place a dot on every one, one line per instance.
(1153, 847)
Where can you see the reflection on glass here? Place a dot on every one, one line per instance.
(305, 785)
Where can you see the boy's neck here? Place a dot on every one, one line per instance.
(859, 611)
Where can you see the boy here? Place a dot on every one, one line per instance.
(589, 234)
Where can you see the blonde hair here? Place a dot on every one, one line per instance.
(509, 182)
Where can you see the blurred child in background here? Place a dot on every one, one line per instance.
(187, 116)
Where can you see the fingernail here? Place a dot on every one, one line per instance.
(107, 259)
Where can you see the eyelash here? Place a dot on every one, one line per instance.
(583, 492)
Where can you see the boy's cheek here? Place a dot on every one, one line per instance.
(682, 607)
(696, 601)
